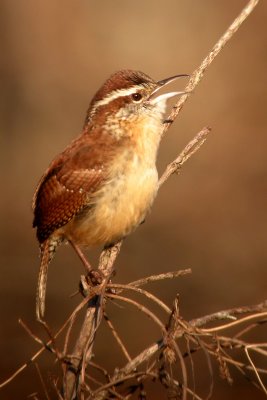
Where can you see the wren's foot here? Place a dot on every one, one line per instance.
(96, 277)
(93, 278)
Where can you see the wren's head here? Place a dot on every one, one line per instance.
(129, 96)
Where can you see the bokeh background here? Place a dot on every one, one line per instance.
(212, 217)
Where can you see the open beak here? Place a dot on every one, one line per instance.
(164, 82)
(154, 98)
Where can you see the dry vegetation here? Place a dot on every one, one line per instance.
(222, 338)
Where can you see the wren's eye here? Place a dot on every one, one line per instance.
(137, 97)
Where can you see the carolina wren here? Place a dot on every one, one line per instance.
(100, 188)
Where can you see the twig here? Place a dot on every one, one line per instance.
(252, 346)
(59, 396)
(146, 354)
(116, 336)
(166, 275)
(144, 292)
(237, 343)
(45, 345)
(187, 152)
(237, 322)
(101, 369)
(36, 338)
(196, 339)
(115, 382)
(238, 364)
(249, 328)
(228, 314)
(42, 381)
(140, 307)
(199, 72)
(184, 370)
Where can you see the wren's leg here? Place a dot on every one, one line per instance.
(95, 276)
(81, 256)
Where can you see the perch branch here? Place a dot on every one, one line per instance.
(199, 72)
(82, 352)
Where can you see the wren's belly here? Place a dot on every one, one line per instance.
(120, 207)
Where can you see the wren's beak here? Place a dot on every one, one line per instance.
(154, 98)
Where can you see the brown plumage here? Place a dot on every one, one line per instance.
(102, 185)
(70, 181)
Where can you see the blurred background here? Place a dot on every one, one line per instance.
(212, 217)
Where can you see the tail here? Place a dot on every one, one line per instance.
(48, 248)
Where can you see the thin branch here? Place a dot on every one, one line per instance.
(184, 370)
(229, 314)
(199, 72)
(238, 364)
(45, 345)
(249, 328)
(193, 146)
(101, 369)
(146, 354)
(116, 336)
(237, 322)
(197, 340)
(117, 381)
(35, 337)
(252, 346)
(42, 381)
(237, 343)
(145, 293)
(166, 275)
(140, 307)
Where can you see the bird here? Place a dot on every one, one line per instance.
(101, 187)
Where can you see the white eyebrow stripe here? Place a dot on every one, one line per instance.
(115, 94)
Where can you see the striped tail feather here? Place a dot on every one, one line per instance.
(47, 248)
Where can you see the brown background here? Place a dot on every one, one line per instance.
(54, 56)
